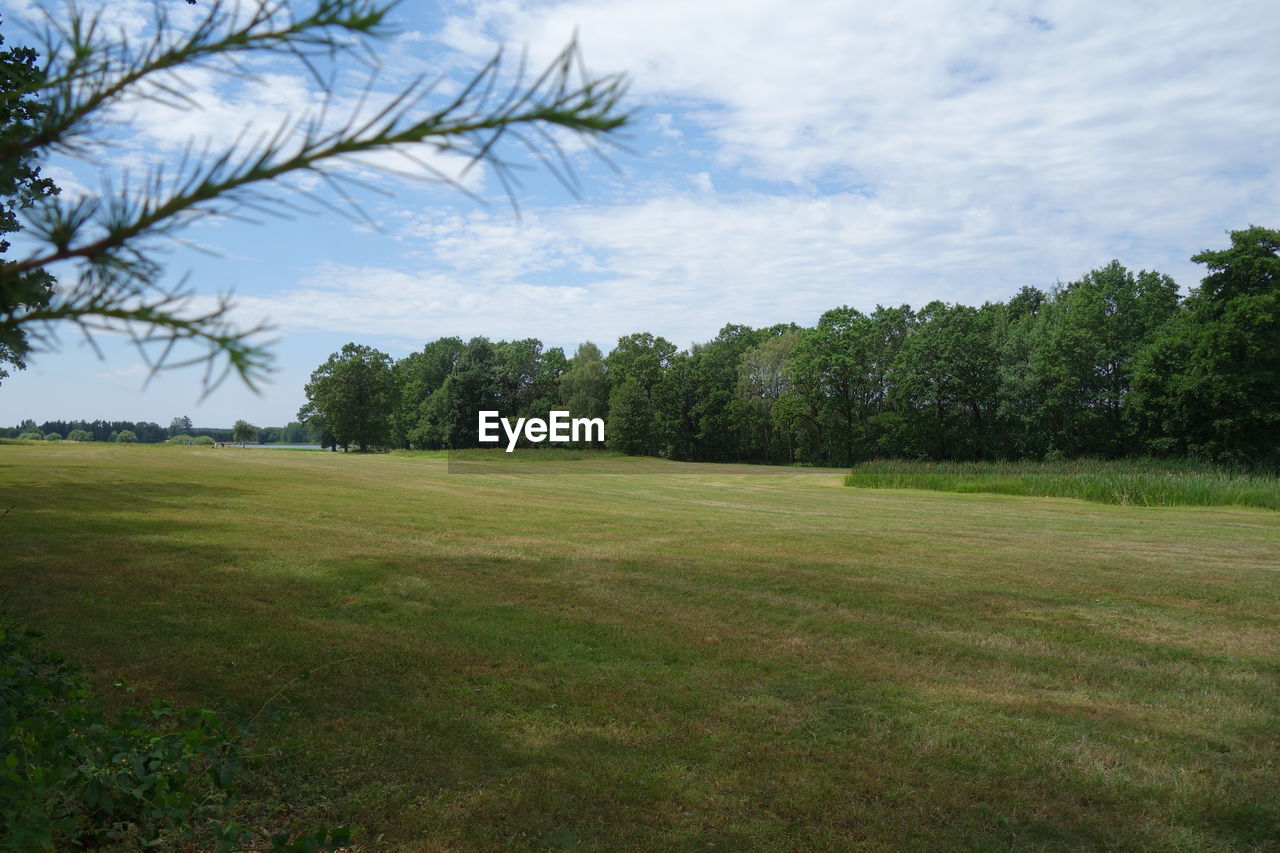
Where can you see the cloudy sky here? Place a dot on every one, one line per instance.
(784, 159)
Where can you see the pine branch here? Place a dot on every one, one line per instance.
(109, 236)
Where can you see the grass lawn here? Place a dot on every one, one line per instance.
(641, 655)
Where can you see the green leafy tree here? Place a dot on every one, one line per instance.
(243, 432)
(179, 425)
(630, 423)
(944, 384)
(295, 433)
(1019, 426)
(764, 377)
(1209, 384)
(674, 403)
(471, 388)
(124, 436)
(351, 397)
(640, 359)
(106, 243)
(1083, 356)
(545, 391)
(415, 421)
(79, 435)
(584, 387)
(21, 186)
(833, 370)
(719, 414)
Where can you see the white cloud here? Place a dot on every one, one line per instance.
(679, 266)
(1129, 117)
(133, 372)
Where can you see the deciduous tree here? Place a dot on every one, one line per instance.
(1209, 385)
(244, 432)
(350, 396)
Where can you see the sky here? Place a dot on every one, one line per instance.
(782, 159)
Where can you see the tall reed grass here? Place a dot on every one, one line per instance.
(1135, 482)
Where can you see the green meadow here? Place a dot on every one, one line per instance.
(631, 654)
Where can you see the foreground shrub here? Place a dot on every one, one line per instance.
(73, 776)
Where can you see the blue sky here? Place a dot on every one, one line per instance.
(784, 159)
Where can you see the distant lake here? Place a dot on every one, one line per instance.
(277, 446)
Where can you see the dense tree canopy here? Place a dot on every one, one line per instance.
(1209, 383)
(1110, 365)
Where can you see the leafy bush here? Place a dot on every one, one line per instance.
(52, 436)
(79, 435)
(203, 441)
(73, 776)
(126, 436)
(180, 439)
(32, 436)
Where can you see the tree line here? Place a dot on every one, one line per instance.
(1115, 364)
(149, 432)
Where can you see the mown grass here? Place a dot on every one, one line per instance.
(1126, 482)
(731, 659)
(519, 454)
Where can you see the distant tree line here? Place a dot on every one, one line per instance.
(147, 432)
(1116, 364)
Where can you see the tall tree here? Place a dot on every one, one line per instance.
(721, 416)
(1209, 384)
(471, 387)
(674, 402)
(635, 368)
(418, 376)
(351, 396)
(1019, 425)
(631, 422)
(584, 388)
(179, 426)
(835, 378)
(243, 432)
(764, 377)
(516, 366)
(944, 384)
(641, 357)
(1082, 359)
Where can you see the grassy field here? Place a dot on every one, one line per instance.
(637, 655)
(1129, 482)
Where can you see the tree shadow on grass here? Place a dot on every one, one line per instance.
(494, 702)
